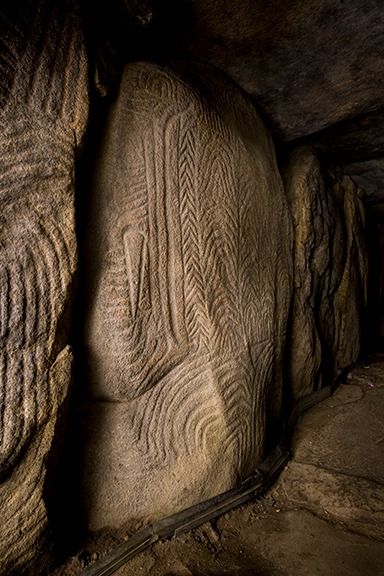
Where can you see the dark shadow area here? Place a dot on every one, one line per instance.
(374, 324)
(120, 31)
(64, 485)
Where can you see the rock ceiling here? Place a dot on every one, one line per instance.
(313, 68)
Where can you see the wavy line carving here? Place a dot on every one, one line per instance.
(44, 103)
(197, 363)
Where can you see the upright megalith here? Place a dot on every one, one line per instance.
(330, 272)
(189, 285)
(44, 104)
(350, 304)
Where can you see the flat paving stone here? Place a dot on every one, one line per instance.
(345, 433)
(357, 503)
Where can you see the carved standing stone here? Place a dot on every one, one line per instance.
(44, 105)
(190, 253)
(330, 273)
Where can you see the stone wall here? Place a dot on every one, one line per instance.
(44, 104)
(330, 272)
(190, 273)
(214, 296)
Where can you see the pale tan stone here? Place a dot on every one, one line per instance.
(189, 247)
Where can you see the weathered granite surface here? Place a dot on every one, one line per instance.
(44, 104)
(330, 272)
(189, 285)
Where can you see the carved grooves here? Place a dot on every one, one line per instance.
(228, 265)
(193, 261)
(15, 520)
(177, 415)
(122, 256)
(25, 536)
(142, 291)
(36, 267)
(197, 320)
(15, 21)
(44, 110)
(193, 401)
(219, 245)
(32, 300)
(46, 60)
(24, 176)
(178, 408)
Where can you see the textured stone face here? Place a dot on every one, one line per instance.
(330, 273)
(369, 176)
(351, 295)
(43, 115)
(308, 64)
(189, 273)
(189, 290)
(318, 256)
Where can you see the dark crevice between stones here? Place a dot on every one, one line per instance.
(66, 501)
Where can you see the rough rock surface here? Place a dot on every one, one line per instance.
(308, 64)
(325, 515)
(189, 290)
(344, 334)
(369, 176)
(337, 472)
(354, 140)
(318, 265)
(330, 273)
(43, 96)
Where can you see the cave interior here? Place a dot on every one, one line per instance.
(291, 95)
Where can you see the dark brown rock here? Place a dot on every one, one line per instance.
(330, 272)
(307, 64)
(318, 258)
(344, 326)
(368, 176)
(357, 139)
(44, 104)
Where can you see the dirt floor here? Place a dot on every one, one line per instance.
(324, 516)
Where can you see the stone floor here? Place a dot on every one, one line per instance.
(325, 515)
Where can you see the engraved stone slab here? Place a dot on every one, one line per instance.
(189, 290)
(43, 114)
